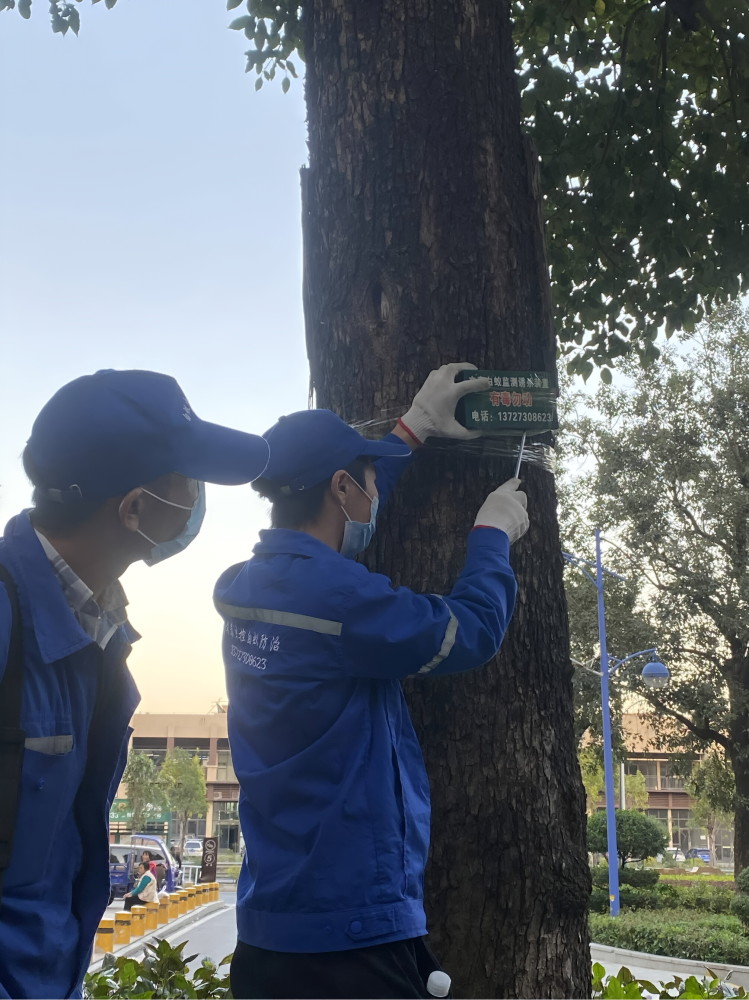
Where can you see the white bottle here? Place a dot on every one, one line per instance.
(438, 984)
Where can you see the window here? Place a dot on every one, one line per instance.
(668, 778)
(647, 767)
(224, 769)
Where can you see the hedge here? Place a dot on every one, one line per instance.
(678, 933)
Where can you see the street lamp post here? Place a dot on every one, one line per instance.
(655, 674)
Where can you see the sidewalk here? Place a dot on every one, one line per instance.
(164, 931)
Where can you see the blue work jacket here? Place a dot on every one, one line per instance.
(334, 803)
(57, 885)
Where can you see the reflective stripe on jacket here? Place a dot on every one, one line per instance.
(335, 800)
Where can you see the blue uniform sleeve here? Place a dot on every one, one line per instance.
(389, 470)
(392, 632)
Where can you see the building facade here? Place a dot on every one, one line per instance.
(203, 736)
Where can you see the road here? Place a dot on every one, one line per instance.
(212, 937)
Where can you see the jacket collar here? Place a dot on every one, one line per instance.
(43, 602)
(274, 541)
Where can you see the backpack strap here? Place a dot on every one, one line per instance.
(12, 737)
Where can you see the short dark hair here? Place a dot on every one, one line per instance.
(303, 506)
(54, 515)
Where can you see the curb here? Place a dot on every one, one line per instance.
(166, 931)
(664, 966)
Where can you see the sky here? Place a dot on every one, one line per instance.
(150, 218)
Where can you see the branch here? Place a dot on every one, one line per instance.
(706, 733)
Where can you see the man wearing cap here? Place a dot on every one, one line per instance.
(118, 461)
(335, 800)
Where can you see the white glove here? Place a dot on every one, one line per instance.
(432, 412)
(505, 509)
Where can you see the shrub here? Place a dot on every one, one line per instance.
(637, 836)
(644, 878)
(681, 933)
(742, 881)
(639, 878)
(164, 972)
(599, 900)
(624, 984)
(740, 907)
(708, 898)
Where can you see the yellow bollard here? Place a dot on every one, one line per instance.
(182, 897)
(199, 894)
(152, 916)
(192, 892)
(122, 925)
(173, 905)
(138, 926)
(163, 910)
(105, 935)
(216, 888)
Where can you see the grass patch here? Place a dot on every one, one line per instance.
(716, 937)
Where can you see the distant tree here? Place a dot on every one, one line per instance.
(637, 836)
(713, 788)
(144, 790)
(667, 477)
(183, 782)
(591, 768)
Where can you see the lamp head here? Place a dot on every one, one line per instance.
(655, 674)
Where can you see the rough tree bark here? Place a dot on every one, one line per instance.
(423, 244)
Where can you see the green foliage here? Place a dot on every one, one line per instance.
(164, 972)
(624, 985)
(666, 479)
(591, 769)
(637, 836)
(183, 783)
(681, 933)
(639, 878)
(740, 908)
(638, 122)
(144, 789)
(275, 30)
(713, 788)
(742, 881)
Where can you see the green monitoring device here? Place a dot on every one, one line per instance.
(516, 403)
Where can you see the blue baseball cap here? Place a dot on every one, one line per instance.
(102, 435)
(307, 447)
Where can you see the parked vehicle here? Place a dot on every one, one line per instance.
(671, 854)
(699, 854)
(122, 861)
(161, 854)
(193, 846)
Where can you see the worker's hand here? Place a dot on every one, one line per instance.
(505, 509)
(432, 412)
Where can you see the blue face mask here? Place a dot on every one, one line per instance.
(163, 550)
(358, 534)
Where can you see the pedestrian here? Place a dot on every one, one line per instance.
(117, 461)
(335, 800)
(145, 891)
(157, 867)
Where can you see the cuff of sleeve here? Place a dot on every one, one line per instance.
(487, 536)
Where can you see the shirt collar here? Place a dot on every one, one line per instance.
(99, 619)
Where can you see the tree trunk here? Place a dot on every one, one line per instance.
(423, 244)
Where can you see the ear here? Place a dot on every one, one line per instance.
(340, 485)
(131, 508)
